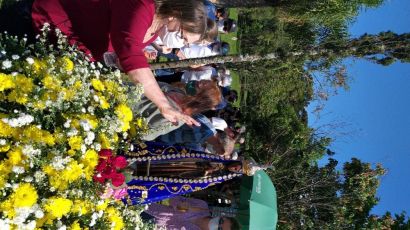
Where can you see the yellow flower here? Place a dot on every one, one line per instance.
(33, 133)
(58, 182)
(49, 170)
(140, 123)
(2, 181)
(24, 196)
(24, 83)
(24, 86)
(81, 207)
(105, 142)
(124, 113)
(5, 168)
(58, 207)
(38, 65)
(6, 82)
(66, 64)
(49, 95)
(47, 218)
(51, 82)
(97, 85)
(68, 94)
(77, 85)
(5, 148)
(5, 129)
(7, 208)
(114, 217)
(102, 205)
(138, 126)
(18, 96)
(92, 120)
(89, 173)
(75, 124)
(111, 86)
(72, 172)
(90, 160)
(59, 136)
(75, 142)
(55, 178)
(15, 156)
(39, 105)
(103, 102)
(75, 226)
(71, 152)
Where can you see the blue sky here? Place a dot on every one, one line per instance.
(376, 110)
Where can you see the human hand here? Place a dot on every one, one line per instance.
(174, 116)
(151, 55)
(166, 50)
(180, 55)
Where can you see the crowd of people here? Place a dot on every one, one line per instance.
(193, 129)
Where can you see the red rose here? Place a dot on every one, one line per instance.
(102, 164)
(108, 172)
(119, 162)
(99, 179)
(117, 179)
(105, 153)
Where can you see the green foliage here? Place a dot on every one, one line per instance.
(262, 32)
(276, 93)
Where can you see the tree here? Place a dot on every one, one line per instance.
(384, 48)
(243, 3)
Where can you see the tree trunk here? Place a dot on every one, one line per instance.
(383, 48)
(244, 3)
(211, 60)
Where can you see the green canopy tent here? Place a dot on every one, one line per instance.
(257, 205)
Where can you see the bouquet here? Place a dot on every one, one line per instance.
(57, 111)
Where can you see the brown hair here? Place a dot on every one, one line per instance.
(227, 142)
(191, 13)
(205, 99)
(211, 31)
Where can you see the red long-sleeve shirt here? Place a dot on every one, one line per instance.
(97, 26)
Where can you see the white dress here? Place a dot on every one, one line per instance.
(203, 73)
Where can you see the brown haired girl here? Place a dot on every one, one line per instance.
(190, 99)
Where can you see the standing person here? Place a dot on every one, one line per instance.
(125, 27)
(189, 214)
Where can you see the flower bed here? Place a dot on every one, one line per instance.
(57, 111)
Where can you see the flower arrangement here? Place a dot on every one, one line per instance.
(57, 111)
(108, 166)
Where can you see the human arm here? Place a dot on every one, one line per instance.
(161, 48)
(180, 202)
(157, 210)
(180, 55)
(129, 23)
(153, 92)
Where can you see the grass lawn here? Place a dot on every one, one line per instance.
(231, 38)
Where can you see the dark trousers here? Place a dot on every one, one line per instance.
(15, 18)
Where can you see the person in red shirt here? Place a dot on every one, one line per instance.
(125, 27)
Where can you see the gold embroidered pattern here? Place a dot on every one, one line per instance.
(138, 187)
